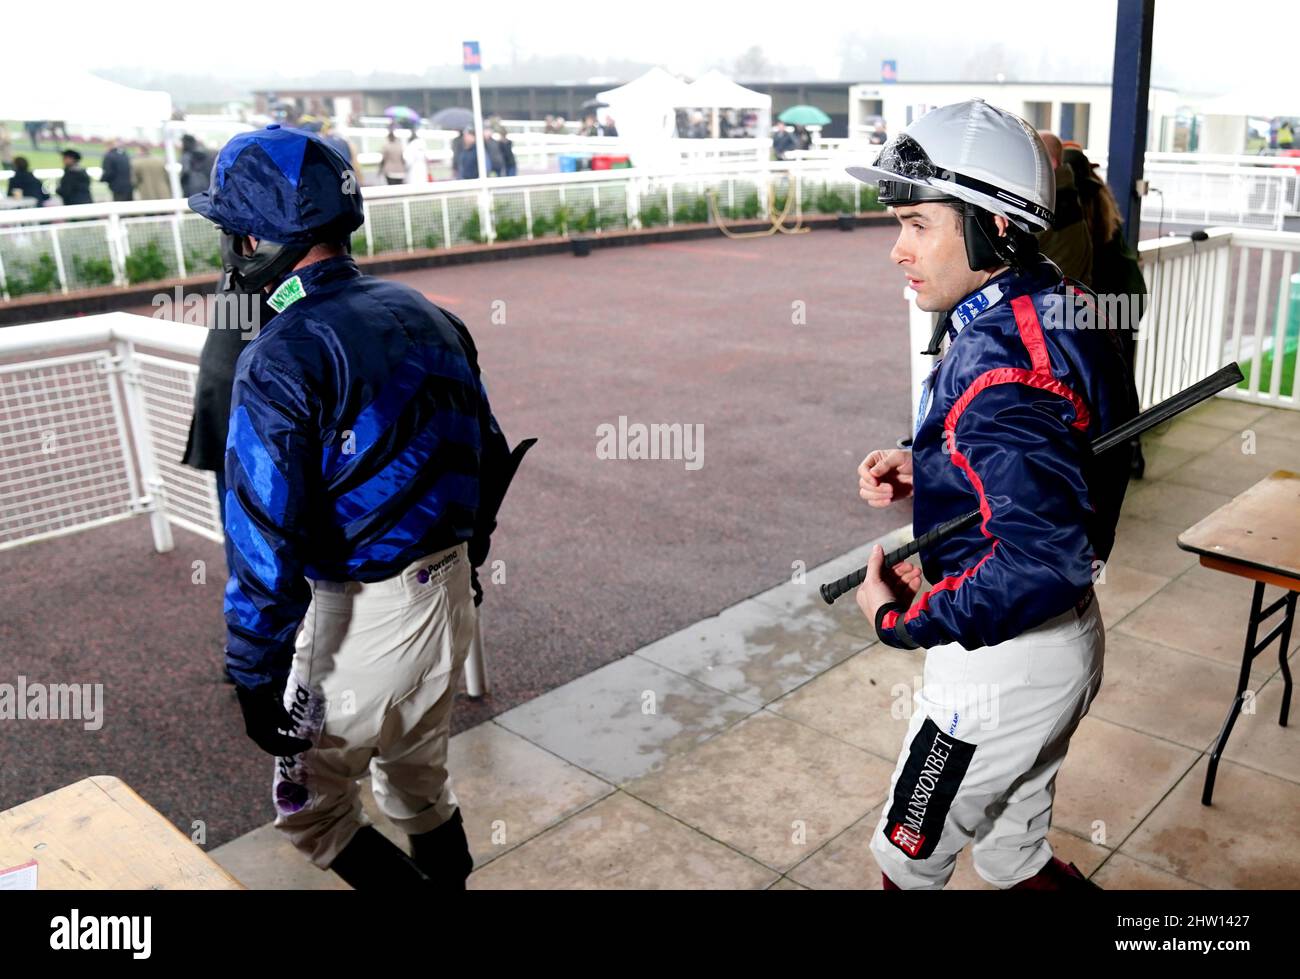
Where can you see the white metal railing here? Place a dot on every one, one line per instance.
(66, 249)
(1233, 296)
(534, 151)
(92, 436)
(94, 419)
(1217, 194)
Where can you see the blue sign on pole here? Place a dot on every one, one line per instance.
(473, 60)
(889, 71)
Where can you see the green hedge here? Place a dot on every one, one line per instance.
(28, 278)
(146, 264)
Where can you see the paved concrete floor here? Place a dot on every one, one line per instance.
(753, 749)
(600, 556)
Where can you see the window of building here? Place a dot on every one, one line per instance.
(1074, 122)
(1039, 114)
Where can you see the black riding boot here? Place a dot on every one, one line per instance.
(370, 862)
(443, 854)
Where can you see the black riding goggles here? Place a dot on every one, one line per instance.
(906, 157)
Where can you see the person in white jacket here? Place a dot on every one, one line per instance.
(417, 159)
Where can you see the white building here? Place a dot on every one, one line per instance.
(1073, 110)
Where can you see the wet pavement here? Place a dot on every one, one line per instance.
(746, 753)
(789, 351)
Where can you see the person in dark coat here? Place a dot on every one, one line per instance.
(466, 161)
(24, 183)
(1115, 268)
(782, 140)
(196, 166)
(236, 317)
(496, 163)
(74, 187)
(116, 172)
(508, 155)
(1068, 242)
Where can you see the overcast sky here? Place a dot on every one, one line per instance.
(1205, 45)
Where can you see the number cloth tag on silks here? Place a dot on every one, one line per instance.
(289, 292)
(291, 787)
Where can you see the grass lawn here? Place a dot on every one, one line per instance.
(1266, 371)
(49, 155)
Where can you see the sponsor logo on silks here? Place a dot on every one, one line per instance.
(289, 292)
(290, 787)
(952, 728)
(967, 311)
(935, 766)
(906, 839)
(425, 575)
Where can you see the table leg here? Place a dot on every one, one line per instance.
(1282, 654)
(1252, 629)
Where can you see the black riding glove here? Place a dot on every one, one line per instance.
(266, 720)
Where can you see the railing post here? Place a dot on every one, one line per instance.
(1213, 355)
(117, 248)
(58, 258)
(154, 500)
(632, 202)
(176, 242)
(1279, 328)
(485, 211)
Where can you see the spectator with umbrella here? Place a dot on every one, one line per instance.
(452, 118)
(392, 162)
(466, 161)
(801, 117)
(782, 140)
(403, 114)
(416, 158)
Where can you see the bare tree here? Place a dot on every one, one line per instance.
(753, 65)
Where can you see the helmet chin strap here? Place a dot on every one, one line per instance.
(986, 249)
(252, 271)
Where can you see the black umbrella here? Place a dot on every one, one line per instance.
(453, 118)
(593, 104)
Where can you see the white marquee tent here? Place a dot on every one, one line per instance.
(645, 111)
(29, 94)
(715, 91)
(77, 96)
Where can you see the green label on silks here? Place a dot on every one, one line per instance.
(290, 292)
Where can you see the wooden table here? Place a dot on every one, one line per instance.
(1256, 536)
(97, 834)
